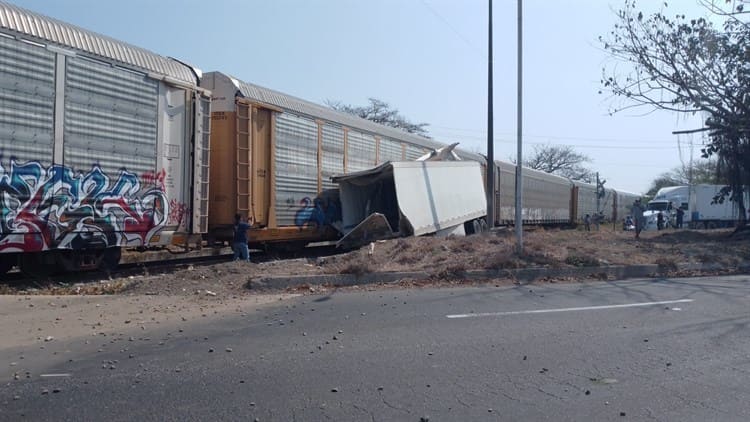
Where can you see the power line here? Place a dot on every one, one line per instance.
(581, 146)
(445, 21)
(574, 138)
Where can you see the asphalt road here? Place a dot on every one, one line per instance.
(669, 350)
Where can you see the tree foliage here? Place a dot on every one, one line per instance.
(381, 112)
(704, 171)
(562, 160)
(689, 66)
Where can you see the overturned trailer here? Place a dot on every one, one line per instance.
(411, 198)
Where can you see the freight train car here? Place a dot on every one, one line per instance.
(273, 156)
(103, 145)
(546, 197)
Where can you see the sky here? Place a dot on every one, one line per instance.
(428, 59)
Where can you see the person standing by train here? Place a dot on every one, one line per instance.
(640, 221)
(239, 240)
(680, 217)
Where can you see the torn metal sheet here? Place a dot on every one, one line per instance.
(374, 227)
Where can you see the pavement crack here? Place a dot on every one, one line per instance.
(461, 402)
(541, 390)
(401, 409)
(362, 409)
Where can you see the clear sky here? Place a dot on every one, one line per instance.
(425, 57)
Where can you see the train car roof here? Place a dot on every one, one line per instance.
(297, 105)
(34, 27)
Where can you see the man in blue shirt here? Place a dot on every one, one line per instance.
(239, 241)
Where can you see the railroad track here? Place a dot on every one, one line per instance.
(151, 262)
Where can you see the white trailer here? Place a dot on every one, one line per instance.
(697, 203)
(411, 198)
(706, 214)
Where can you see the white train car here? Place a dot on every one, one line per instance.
(546, 197)
(103, 145)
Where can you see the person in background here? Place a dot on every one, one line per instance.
(680, 216)
(587, 223)
(239, 240)
(640, 221)
(660, 221)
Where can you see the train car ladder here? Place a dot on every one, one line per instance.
(243, 158)
(201, 161)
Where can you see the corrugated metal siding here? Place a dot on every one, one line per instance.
(306, 108)
(296, 166)
(546, 198)
(390, 151)
(413, 152)
(360, 151)
(507, 193)
(110, 118)
(27, 98)
(22, 21)
(333, 154)
(586, 199)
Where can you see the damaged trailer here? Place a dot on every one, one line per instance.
(411, 198)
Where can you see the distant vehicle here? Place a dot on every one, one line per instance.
(697, 203)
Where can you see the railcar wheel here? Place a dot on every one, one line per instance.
(110, 259)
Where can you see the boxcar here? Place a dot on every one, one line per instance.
(103, 145)
(546, 197)
(273, 156)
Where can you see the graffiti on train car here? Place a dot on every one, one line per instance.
(157, 179)
(55, 207)
(179, 213)
(319, 211)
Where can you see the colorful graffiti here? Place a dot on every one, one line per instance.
(57, 208)
(179, 213)
(320, 212)
(157, 179)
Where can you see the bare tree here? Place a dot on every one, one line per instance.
(381, 112)
(705, 171)
(688, 66)
(561, 160)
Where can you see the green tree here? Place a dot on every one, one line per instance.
(689, 66)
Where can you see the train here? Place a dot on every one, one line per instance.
(106, 146)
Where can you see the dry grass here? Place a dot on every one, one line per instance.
(443, 258)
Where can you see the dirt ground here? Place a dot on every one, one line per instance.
(139, 301)
(442, 258)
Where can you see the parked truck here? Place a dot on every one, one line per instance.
(697, 203)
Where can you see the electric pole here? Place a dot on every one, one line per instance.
(490, 140)
(519, 146)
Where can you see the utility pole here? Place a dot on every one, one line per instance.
(598, 195)
(490, 135)
(519, 146)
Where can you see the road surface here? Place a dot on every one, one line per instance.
(627, 350)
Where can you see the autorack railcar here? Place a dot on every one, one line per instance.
(273, 156)
(103, 145)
